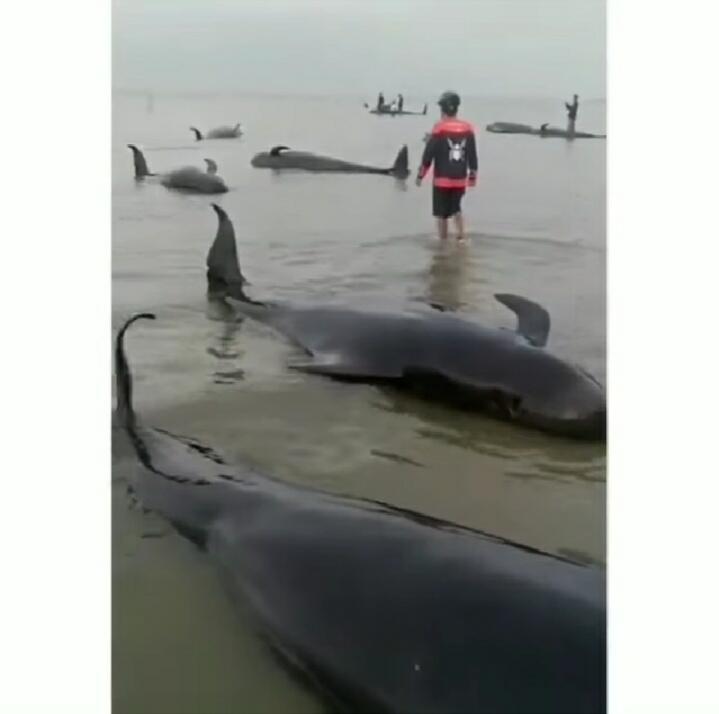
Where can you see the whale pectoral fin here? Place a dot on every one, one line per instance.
(532, 319)
(277, 150)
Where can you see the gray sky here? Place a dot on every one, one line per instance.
(480, 47)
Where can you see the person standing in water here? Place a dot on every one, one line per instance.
(380, 102)
(400, 102)
(452, 148)
(572, 110)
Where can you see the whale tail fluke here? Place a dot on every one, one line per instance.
(141, 169)
(224, 277)
(400, 168)
(123, 377)
(198, 133)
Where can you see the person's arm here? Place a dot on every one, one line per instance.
(472, 163)
(427, 158)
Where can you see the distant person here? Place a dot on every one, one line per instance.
(452, 148)
(380, 102)
(572, 110)
(400, 102)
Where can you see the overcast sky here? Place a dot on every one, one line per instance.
(480, 47)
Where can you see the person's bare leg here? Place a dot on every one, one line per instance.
(442, 228)
(459, 225)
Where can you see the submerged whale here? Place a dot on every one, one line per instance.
(504, 373)
(282, 157)
(505, 127)
(186, 178)
(378, 608)
(220, 132)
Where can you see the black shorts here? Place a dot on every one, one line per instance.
(446, 202)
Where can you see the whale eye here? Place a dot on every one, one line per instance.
(513, 405)
(507, 405)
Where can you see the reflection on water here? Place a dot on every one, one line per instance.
(225, 342)
(448, 274)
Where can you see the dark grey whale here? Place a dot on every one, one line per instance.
(282, 157)
(186, 178)
(381, 609)
(220, 132)
(447, 358)
(505, 127)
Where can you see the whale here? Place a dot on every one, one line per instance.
(505, 373)
(185, 178)
(220, 132)
(547, 131)
(282, 157)
(387, 110)
(374, 607)
(504, 127)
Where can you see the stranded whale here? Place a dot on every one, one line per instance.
(220, 132)
(282, 157)
(507, 374)
(380, 608)
(505, 127)
(187, 178)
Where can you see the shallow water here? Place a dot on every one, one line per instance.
(537, 222)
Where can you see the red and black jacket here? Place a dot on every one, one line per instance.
(453, 150)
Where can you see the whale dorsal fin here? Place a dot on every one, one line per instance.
(141, 169)
(532, 319)
(223, 266)
(277, 150)
(211, 166)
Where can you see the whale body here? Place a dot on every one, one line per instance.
(186, 178)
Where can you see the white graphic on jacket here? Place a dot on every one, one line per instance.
(456, 150)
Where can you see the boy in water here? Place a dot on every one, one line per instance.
(452, 148)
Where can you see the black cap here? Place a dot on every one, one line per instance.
(449, 101)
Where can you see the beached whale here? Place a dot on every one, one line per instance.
(186, 178)
(505, 127)
(282, 157)
(441, 355)
(381, 609)
(552, 131)
(220, 132)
